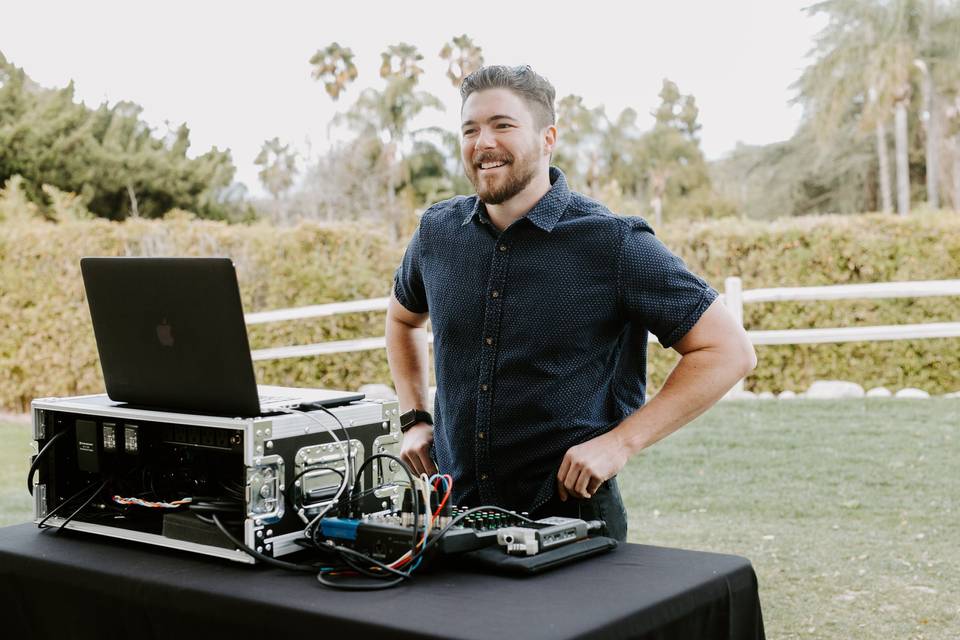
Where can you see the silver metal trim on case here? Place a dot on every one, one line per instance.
(328, 454)
(39, 426)
(388, 472)
(152, 538)
(264, 490)
(258, 434)
(350, 415)
(39, 502)
(101, 405)
(282, 545)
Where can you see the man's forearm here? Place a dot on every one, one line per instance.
(408, 358)
(700, 379)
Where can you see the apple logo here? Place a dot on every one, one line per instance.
(165, 333)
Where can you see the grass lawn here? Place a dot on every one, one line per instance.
(16, 505)
(848, 510)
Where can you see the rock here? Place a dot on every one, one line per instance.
(740, 395)
(879, 392)
(833, 389)
(955, 394)
(765, 395)
(911, 393)
(787, 394)
(377, 392)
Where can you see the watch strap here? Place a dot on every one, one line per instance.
(414, 417)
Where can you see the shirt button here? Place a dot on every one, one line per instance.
(495, 294)
(483, 476)
(503, 247)
(489, 341)
(480, 435)
(483, 387)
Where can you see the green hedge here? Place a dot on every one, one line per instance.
(824, 250)
(47, 347)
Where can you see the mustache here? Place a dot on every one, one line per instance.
(492, 157)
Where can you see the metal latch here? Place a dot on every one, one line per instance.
(265, 489)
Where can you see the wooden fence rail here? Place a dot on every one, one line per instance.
(734, 296)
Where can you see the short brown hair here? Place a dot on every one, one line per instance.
(532, 88)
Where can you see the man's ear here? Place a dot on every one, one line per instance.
(549, 139)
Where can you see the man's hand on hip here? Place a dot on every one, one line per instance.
(415, 449)
(589, 464)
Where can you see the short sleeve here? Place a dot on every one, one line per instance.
(656, 288)
(408, 279)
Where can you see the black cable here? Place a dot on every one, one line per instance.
(344, 552)
(289, 566)
(213, 505)
(413, 489)
(356, 586)
(53, 512)
(356, 495)
(354, 554)
(413, 484)
(39, 456)
(82, 507)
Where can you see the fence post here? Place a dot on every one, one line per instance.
(733, 298)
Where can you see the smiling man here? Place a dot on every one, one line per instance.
(540, 300)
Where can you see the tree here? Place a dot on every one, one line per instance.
(670, 153)
(108, 156)
(861, 72)
(578, 151)
(381, 119)
(333, 66)
(279, 167)
(942, 50)
(464, 57)
(868, 59)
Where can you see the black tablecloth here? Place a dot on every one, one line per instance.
(79, 585)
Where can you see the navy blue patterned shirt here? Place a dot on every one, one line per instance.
(539, 333)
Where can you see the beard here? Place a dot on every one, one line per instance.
(519, 172)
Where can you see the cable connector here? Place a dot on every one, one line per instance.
(519, 541)
(406, 510)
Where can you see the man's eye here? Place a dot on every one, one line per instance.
(468, 132)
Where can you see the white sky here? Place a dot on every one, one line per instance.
(237, 72)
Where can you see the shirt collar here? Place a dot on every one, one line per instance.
(548, 210)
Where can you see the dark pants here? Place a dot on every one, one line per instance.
(606, 504)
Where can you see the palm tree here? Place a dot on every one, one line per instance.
(864, 59)
(464, 57)
(278, 168)
(333, 65)
(386, 115)
(942, 50)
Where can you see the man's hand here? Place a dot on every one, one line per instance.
(415, 449)
(588, 465)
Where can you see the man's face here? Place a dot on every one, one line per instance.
(502, 147)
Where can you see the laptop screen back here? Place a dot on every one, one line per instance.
(171, 333)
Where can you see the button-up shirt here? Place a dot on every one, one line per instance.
(539, 333)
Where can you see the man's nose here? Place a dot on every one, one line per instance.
(485, 139)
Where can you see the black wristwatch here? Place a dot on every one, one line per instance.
(412, 417)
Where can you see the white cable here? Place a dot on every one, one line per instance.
(425, 492)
